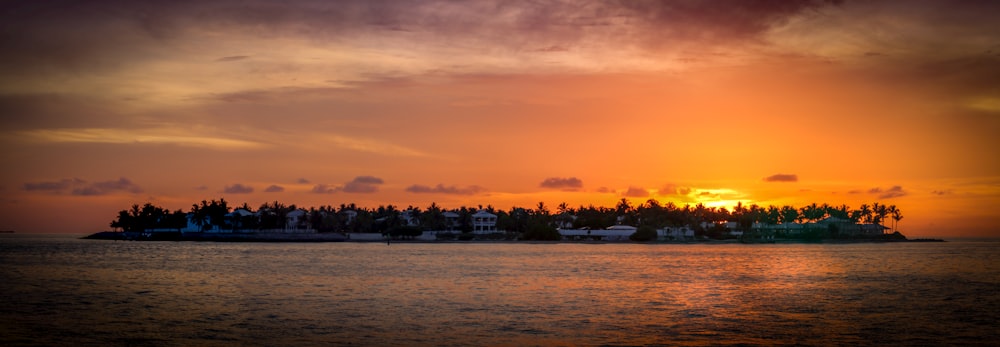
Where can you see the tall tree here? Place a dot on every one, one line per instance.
(880, 211)
(865, 213)
(896, 216)
(789, 214)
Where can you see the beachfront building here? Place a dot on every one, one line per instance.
(194, 225)
(675, 234)
(349, 216)
(831, 227)
(409, 218)
(484, 222)
(847, 228)
(297, 221)
(451, 221)
(564, 220)
(612, 233)
(241, 219)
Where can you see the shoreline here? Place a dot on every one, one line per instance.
(337, 237)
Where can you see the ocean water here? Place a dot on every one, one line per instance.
(65, 291)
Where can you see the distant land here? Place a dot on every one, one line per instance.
(651, 221)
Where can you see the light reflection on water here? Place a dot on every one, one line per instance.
(61, 291)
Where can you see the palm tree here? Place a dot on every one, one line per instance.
(843, 212)
(773, 215)
(563, 208)
(865, 213)
(789, 214)
(896, 216)
(200, 218)
(880, 212)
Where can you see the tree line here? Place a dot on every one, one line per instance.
(537, 223)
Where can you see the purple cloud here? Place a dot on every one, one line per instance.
(274, 189)
(324, 189)
(782, 178)
(442, 189)
(636, 192)
(101, 188)
(707, 194)
(76, 186)
(238, 189)
(672, 189)
(360, 184)
(894, 192)
(567, 183)
(233, 58)
(53, 186)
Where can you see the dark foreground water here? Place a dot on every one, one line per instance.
(63, 291)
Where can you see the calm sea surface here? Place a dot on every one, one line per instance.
(64, 291)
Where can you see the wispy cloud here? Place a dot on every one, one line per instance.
(360, 184)
(140, 136)
(636, 192)
(372, 146)
(53, 186)
(76, 186)
(782, 178)
(442, 189)
(232, 58)
(564, 183)
(238, 189)
(673, 189)
(325, 189)
(893, 192)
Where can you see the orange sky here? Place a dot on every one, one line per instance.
(106, 104)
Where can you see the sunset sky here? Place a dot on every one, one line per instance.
(104, 104)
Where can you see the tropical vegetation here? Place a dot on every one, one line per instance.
(538, 223)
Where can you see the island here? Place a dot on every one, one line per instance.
(651, 221)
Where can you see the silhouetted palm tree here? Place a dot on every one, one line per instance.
(865, 213)
(880, 211)
(896, 216)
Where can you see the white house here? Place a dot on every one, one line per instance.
(565, 220)
(208, 227)
(349, 215)
(297, 220)
(409, 218)
(450, 221)
(484, 222)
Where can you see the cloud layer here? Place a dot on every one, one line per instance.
(636, 192)
(782, 178)
(564, 183)
(892, 192)
(237, 189)
(442, 189)
(360, 184)
(76, 186)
